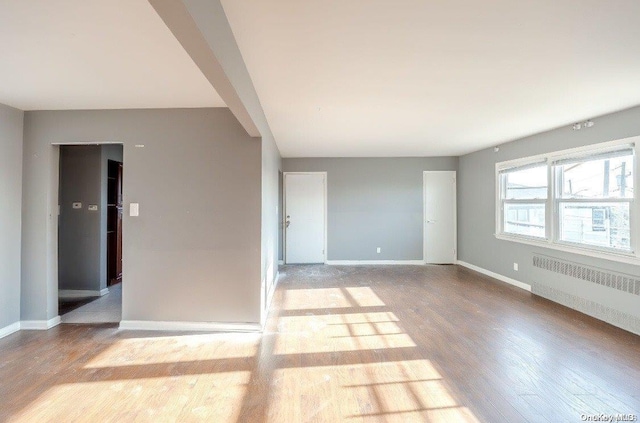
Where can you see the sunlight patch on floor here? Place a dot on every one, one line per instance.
(410, 390)
(445, 415)
(327, 298)
(339, 332)
(207, 397)
(175, 349)
(364, 296)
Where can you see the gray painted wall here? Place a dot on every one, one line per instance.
(476, 224)
(11, 121)
(271, 165)
(373, 202)
(193, 254)
(211, 21)
(79, 231)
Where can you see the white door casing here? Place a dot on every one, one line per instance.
(439, 220)
(305, 217)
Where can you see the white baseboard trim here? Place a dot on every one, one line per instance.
(494, 275)
(81, 293)
(373, 262)
(40, 324)
(8, 330)
(189, 326)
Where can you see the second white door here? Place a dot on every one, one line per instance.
(305, 219)
(440, 217)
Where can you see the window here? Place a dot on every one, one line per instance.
(598, 217)
(594, 199)
(524, 200)
(581, 199)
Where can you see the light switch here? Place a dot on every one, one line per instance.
(77, 205)
(134, 209)
(93, 207)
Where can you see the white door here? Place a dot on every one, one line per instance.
(305, 217)
(440, 217)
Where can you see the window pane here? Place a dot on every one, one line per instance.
(524, 219)
(601, 178)
(528, 183)
(598, 224)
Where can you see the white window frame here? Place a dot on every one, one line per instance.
(502, 190)
(552, 204)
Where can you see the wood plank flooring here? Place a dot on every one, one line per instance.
(343, 343)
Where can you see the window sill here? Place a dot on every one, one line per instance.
(618, 257)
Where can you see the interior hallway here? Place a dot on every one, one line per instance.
(105, 309)
(343, 343)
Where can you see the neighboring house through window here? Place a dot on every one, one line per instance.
(581, 199)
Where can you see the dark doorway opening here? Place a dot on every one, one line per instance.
(90, 233)
(114, 223)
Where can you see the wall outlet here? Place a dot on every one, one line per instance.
(515, 266)
(76, 205)
(378, 250)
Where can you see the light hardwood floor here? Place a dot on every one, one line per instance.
(380, 343)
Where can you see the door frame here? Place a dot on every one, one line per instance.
(284, 214)
(455, 213)
(53, 191)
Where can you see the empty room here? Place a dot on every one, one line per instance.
(319, 211)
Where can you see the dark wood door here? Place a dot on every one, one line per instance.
(114, 223)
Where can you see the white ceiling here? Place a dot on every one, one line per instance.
(433, 77)
(94, 54)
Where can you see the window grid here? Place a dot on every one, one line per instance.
(625, 241)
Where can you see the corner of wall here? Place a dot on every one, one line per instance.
(478, 246)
